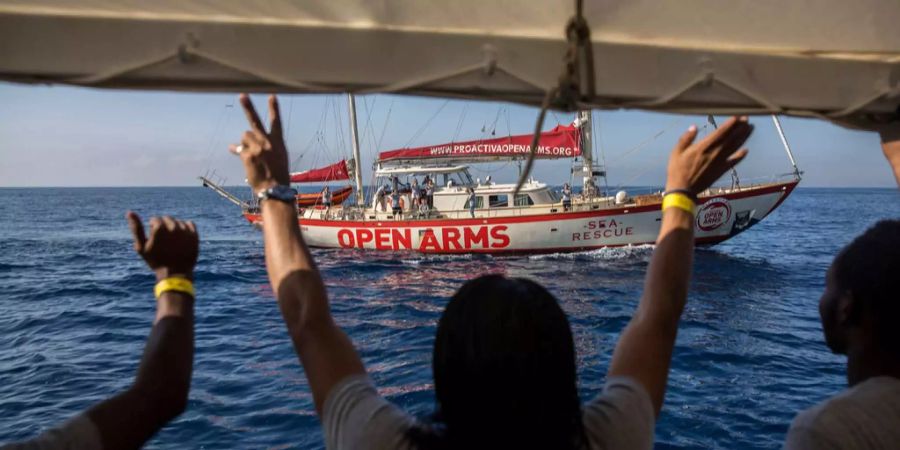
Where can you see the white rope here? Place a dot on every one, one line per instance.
(645, 142)
(423, 127)
(459, 124)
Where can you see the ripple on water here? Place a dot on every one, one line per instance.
(78, 308)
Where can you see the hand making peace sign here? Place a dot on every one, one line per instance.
(264, 154)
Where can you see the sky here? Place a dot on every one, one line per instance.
(70, 136)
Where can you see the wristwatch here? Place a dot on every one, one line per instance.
(280, 192)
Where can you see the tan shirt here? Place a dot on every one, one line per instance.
(356, 417)
(866, 416)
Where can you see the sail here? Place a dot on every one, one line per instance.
(334, 172)
(802, 57)
(561, 142)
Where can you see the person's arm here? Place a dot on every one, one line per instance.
(890, 145)
(888, 128)
(644, 350)
(160, 390)
(159, 393)
(326, 353)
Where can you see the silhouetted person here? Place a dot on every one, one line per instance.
(860, 311)
(504, 365)
(159, 392)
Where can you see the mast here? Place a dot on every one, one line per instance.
(357, 161)
(587, 166)
(787, 147)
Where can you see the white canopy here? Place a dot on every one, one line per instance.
(804, 57)
(403, 170)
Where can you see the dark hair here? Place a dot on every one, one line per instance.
(869, 268)
(504, 370)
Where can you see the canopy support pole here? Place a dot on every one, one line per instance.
(357, 161)
(787, 148)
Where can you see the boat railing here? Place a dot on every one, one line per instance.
(636, 197)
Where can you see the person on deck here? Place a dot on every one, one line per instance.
(159, 392)
(380, 195)
(396, 207)
(566, 197)
(589, 190)
(429, 192)
(859, 310)
(423, 207)
(473, 199)
(326, 198)
(415, 193)
(504, 365)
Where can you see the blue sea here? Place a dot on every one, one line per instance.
(77, 305)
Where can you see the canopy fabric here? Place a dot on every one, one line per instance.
(334, 172)
(821, 58)
(563, 141)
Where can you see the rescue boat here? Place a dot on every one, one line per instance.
(534, 219)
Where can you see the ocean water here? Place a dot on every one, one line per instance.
(77, 305)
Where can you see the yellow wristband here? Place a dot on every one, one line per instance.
(176, 284)
(680, 201)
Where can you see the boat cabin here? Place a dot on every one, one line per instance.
(451, 196)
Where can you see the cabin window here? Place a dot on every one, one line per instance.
(498, 201)
(479, 202)
(524, 200)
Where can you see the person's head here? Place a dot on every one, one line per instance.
(504, 367)
(861, 302)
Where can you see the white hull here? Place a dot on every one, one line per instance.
(719, 218)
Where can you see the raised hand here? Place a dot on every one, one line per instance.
(172, 247)
(696, 166)
(264, 154)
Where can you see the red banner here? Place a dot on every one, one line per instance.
(333, 172)
(561, 142)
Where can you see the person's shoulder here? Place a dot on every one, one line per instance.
(863, 396)
(621, 416)
(865, 411)
(356, 416)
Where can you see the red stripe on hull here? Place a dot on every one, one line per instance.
(787, 188)
(493, 251)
